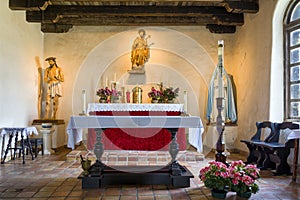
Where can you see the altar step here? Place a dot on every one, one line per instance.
(122, 157)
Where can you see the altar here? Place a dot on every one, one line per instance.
(134, 139)
(99, 174)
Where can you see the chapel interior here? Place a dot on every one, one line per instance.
(92, 41)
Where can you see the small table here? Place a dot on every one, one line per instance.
(15, 133)
(100, 174)
(296, 136)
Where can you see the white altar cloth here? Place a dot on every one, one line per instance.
(77, 123)
(25, 131)
(135, 107)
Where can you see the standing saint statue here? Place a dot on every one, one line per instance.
(140, 52)
(53, 77)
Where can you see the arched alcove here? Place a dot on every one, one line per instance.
(171, 49)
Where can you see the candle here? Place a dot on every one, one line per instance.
(185, 101)
(84, 101)
(220, 84)
(106, 82)
(115, 77)
(128, 96)
(220, 68)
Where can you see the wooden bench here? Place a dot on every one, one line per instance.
(278, 150)
(256, 153)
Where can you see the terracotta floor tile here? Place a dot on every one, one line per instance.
(55, 177)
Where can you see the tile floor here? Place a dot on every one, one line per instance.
(55, 177)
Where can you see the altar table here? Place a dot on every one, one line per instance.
(100, 175)
(23, 133)
(295, 134)
(134, 139)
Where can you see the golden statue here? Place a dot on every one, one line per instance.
(53, 77)
(140, 52)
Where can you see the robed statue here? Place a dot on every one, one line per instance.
(229, 114)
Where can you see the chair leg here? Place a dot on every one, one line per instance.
(36, 148)
(42, 146)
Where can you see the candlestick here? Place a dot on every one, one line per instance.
(220, 68)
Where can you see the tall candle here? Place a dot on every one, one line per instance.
(106, 82)
(127, 96)
(185, 100)
(84, 101)
(115, 77)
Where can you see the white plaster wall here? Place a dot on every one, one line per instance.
(251, 68)
(20, 44)
(180, 56)
(186, 55)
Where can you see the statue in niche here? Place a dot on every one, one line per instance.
(229, 114)
(53, 77)
(140, 52)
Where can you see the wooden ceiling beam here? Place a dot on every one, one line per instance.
(219, 16)
(93, 16)
(241, 6)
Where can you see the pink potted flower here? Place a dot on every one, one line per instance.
(243, 178)
(216, 177)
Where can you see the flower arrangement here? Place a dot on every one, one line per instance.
(215, 176)
(170, 93)
(237, 176)
(155, 94)
(243, 177)
(115, 93)
(104, 93)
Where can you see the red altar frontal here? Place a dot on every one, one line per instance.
(150, 139)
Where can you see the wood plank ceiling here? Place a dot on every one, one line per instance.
(58, 16)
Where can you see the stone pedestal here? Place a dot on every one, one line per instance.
(58, 136)
(47, 138)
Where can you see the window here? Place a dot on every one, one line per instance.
(292, 61)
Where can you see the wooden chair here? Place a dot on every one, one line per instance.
(278, 151)
(256, 154)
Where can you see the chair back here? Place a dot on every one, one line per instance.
(261, 128)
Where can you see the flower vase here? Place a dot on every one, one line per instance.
(170, 101)
(154, 101)
(116, 100)
(219, 194)
(244, 194)
(101, 100)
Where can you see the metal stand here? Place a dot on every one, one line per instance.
(220, 146)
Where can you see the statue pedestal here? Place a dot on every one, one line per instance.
(58, 136)
(47, 137)
(136, 71)
(229, 137)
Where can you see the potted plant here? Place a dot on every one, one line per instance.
(115, 96)
(217, 178)
(104, 93)
(243, 178)
(155, 95)
(170, 94)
